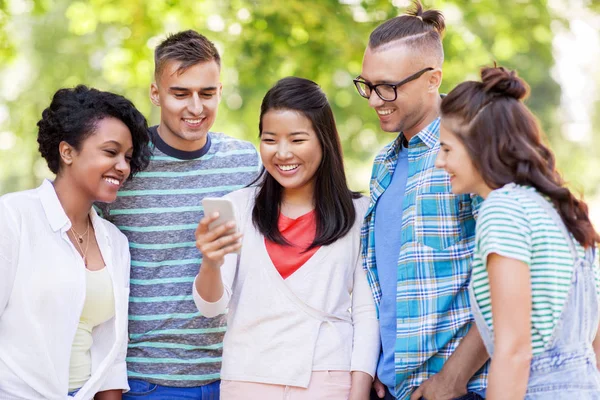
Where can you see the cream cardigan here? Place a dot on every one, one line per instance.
(322, 317)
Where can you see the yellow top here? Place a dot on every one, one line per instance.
(99, 307)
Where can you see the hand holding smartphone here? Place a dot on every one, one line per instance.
(223, 206)
(226, 212)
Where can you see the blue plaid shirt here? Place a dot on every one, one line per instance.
(434, 264)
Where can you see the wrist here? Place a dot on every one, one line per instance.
(454, 377)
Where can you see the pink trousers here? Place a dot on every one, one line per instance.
(324, 385)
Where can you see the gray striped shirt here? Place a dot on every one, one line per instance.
(170, 342)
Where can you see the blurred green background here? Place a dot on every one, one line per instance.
(108, 44)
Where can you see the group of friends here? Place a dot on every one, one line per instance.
(467, 273)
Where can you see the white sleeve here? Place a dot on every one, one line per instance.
(208, 309)
(366, 341)
(116, 377)
(9, 247)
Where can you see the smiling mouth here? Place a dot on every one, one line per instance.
(194, 121)
(112, 181)
(385, 112)
(289, 167)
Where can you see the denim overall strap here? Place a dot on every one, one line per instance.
(567, 367)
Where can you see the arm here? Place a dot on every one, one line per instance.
(109, 395)
(451, 382)
(366, 342)
(510, 288)
(217, 246)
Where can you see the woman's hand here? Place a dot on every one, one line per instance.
(215, 243)
(361, 386)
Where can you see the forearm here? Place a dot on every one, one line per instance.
(109, 395)
(209, 283)
(361, 385)
(468, 358)
(508, 375)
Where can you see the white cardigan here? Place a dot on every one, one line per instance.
(279, 331)
(42, 291)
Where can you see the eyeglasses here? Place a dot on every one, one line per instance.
(385, 91)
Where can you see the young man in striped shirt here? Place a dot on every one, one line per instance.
(173, 351)
(418, 237)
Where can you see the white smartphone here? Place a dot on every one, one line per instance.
(223, 206)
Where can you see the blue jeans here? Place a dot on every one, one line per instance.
(142, 390)
(74, 392)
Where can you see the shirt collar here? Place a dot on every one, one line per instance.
(54, 211)
(430, 135)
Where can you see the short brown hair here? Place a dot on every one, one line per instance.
(188, 47)
(422, 30)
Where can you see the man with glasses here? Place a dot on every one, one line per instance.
(417, 237)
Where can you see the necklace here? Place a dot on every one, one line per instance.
(79, 239)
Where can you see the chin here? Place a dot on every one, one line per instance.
(106, 197)
(458, 190)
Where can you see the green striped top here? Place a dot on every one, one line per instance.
(514, 225)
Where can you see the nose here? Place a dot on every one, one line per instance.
(123, 166)
(195, 105)
(283, 151)
(439, 160)
(374, 100)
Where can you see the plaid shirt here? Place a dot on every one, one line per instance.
(434, 264)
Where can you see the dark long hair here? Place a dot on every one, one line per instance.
(334, 209)
(504, 141)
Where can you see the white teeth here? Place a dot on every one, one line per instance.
(193, 121)
(288, 167)
(112, 181)
(385, 112)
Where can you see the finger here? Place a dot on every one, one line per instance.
(417, 394)
(219, 243)
(204, 222)
(219, 255)
(218, 232)
(379, 388)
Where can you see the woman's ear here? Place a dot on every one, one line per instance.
(66, 152)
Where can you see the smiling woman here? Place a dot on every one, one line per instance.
(65, 271)
(299, 289)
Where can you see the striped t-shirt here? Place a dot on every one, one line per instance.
(169, 342)
(513, 225)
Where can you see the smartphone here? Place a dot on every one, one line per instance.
(223, 206)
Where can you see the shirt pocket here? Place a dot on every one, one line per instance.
(439, 218)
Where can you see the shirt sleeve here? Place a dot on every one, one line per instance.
(9, 247)
(116, 377)
(212, 309)
(366, 342)
(503, 228)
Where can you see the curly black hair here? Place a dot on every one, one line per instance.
(72, 117)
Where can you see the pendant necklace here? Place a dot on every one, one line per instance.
(79, 240)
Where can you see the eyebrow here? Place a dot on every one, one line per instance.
(372, 82)
(184, 89)
(116, 144)
(289, 134)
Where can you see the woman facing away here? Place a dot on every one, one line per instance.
(65, 272)
(534, 287)
(290, 289)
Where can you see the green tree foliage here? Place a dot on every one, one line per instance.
(109, 44)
